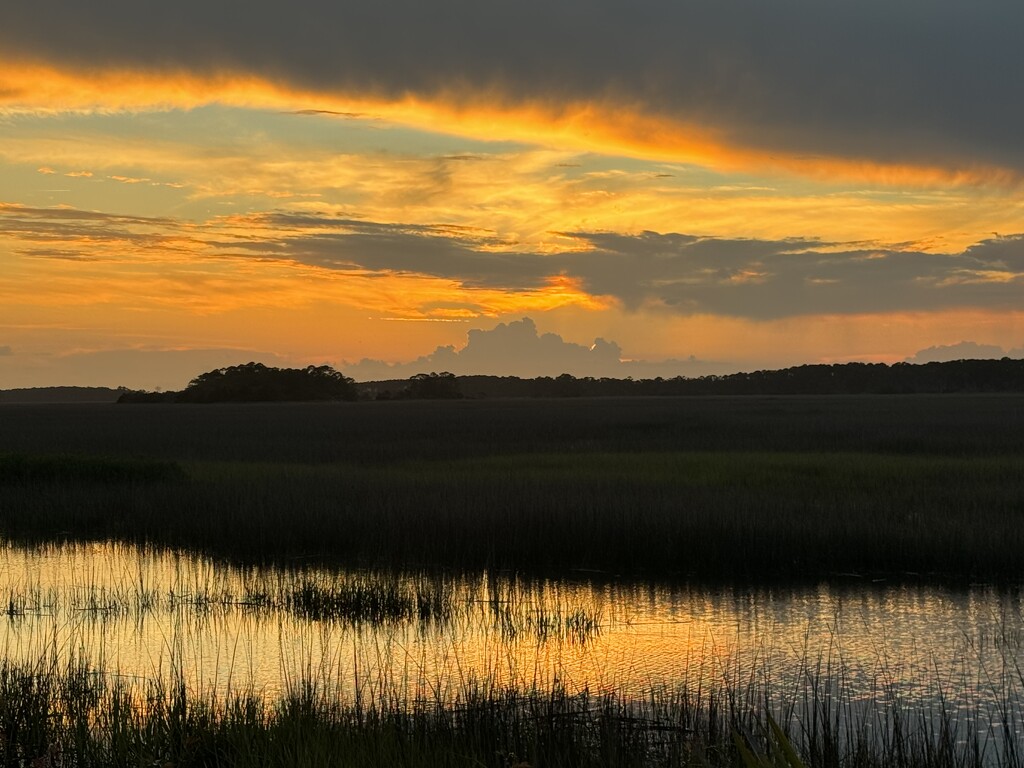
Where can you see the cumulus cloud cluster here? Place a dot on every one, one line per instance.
(919, 81)
(512, 348)
(964, 350)
(518, 349)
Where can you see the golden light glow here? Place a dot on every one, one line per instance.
(526, 197)
(881, 337)
(241, 241)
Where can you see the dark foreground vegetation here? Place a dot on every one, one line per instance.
(749, 488)
(712, 488)
(53, 716)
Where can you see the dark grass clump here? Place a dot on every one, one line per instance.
(374, 600)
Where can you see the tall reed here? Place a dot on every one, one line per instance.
(53, 715)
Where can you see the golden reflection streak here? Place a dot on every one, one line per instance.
(599, 126)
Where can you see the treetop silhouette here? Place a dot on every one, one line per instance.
(257, 383)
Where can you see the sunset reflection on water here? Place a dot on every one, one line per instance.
(144, 615)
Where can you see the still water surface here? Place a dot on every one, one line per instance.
(140, 615)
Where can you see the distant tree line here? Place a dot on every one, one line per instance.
(62, 395)
(961, 376)
(254, 382)
(422, 386)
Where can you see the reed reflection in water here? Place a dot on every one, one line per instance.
(143, 615)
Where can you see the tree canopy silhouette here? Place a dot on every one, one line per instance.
(1005, 375)
(256, 383)
(433, 386)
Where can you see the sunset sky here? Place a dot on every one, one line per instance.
(648, 187)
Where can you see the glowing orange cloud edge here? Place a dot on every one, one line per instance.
(607, 128)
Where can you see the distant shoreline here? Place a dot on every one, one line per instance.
(69, 394)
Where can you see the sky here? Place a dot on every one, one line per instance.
(652, 187)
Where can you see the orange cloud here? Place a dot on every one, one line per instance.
(607, 127)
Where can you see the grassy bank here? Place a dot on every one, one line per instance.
(936, 493)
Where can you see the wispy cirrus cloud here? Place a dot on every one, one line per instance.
(265, 160)
(676, 272)
(682, 273)
(74, 234)
(68, 257)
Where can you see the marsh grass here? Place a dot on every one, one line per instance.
(312, 595)
(684, 515)
(42, 470)
(376, 600)
(385, 433)
(70, 715)
(88, 713)
(686, 487)
(713, 488)
(203, 589)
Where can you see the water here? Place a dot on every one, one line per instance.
(138, 616)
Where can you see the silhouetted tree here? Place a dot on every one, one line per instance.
(433, 386)
(255, 382)
(567, 385)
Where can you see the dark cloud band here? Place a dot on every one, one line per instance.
(918, 81)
